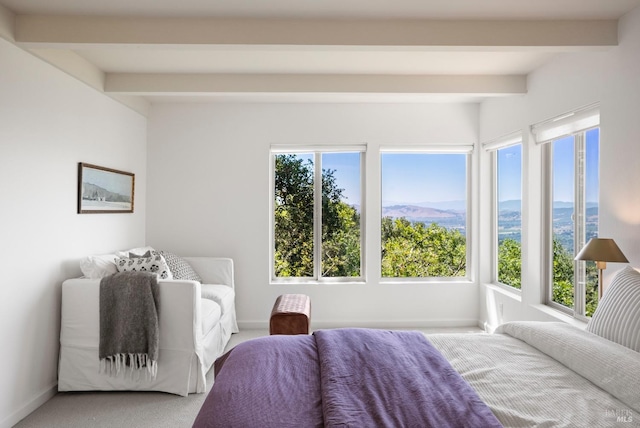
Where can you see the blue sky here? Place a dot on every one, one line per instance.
(509, 159)
(593, 165)
(510, 173)
(413, 178)
(563, 168)
(347, 174)
(416, 178)
(346, 168)
(420, 177)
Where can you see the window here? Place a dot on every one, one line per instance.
(424, 212)
(317, 214)
(572, 145)
(507, 210)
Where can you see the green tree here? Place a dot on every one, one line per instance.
(417, 250)
(591, 288)
(293, 214)
(563, 277)
(509, 272)
(341, 243)
(510, 263)
(340, 231)
(294, 211)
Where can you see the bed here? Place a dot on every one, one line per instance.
(525, 374)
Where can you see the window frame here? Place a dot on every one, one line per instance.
(464, 149)
(509, 140)
(316, 151)
(576, 124)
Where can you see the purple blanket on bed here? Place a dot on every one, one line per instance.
(377, 378)
(342, 377)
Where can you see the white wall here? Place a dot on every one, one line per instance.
(571, 81)
(48, 123)
(208, 194)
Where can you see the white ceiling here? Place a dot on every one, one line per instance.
(297, 50)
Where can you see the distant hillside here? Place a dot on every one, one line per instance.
(416, 213)
(515, 205)
(452, 209)
(511, 205)
(509, 218)
(440, 205)
(92, 192)
(445, 205)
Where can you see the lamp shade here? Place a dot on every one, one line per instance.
(601, 250)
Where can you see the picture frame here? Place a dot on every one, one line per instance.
(104, 190)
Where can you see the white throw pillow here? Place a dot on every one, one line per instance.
(98, 266)
(617, 317)
(155, 264)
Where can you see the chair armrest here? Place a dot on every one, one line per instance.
(213, 270)
(179, 313)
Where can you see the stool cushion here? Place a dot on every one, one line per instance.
(291, 314)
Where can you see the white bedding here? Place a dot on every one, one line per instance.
(548, 375)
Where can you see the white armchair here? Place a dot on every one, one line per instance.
(195, 322)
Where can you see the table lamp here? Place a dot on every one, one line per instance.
(601, 250)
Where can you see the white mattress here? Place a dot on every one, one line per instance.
(548, 375)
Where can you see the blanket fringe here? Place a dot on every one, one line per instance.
(130, 364)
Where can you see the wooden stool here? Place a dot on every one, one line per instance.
(291, 314)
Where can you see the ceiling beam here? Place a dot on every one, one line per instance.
(75, 31)
(86, 72)
(73, 64)
(157, 84)
(7, 24)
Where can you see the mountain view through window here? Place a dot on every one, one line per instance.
(424, 215)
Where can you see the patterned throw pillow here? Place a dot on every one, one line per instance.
(139, 256)
(179, 267)
(137, 251)
(155, 264)
(617, 317)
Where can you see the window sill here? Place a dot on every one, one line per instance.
(505, 290)
(423, 281)
(311, 283)
(382, 282)
(559, 316)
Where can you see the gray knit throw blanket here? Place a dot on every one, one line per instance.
(129, 333)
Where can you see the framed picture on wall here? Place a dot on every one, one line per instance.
(104, 190)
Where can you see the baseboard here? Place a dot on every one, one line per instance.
(400, 324)
(28, 408)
